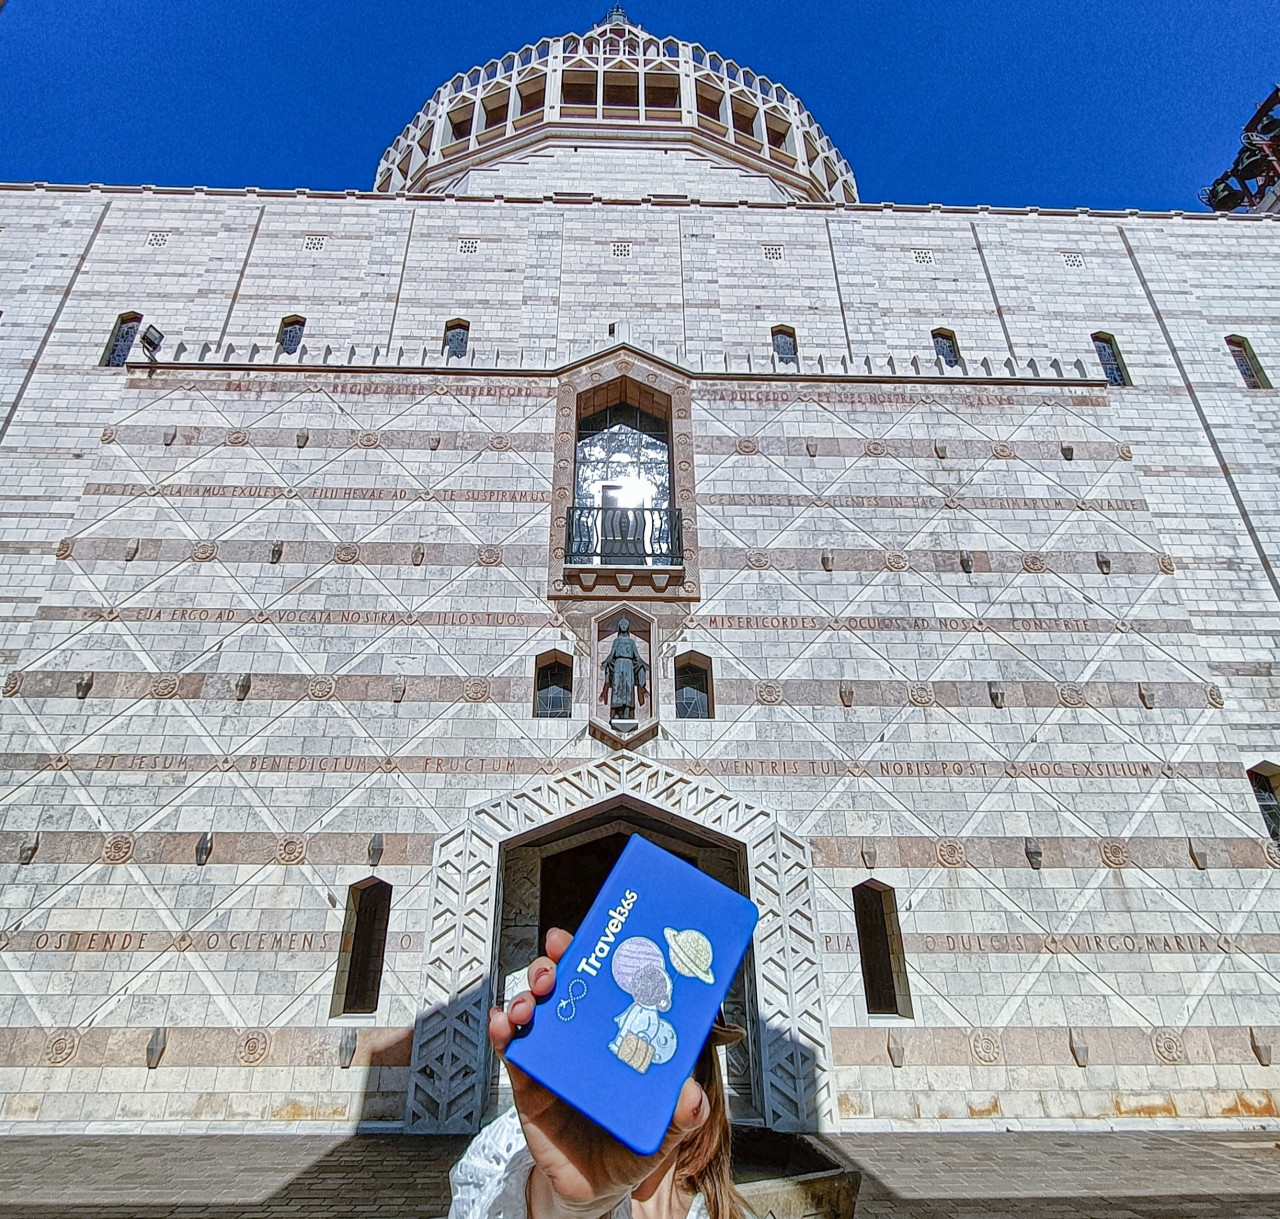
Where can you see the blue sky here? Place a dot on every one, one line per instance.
(1098, 103)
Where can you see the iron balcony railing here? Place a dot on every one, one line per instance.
(625, 537)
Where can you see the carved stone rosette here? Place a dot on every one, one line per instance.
(118, 849)
(291, 849)
(13, 683)
(489, 556)
(204, 552)
(237, 436)
(1002, 449)
(1213, 694)
(746, 446)
(950, 852)
(476, 689)
(61, 1047)
(346, 552)
(1271, 850)
(757, 559)
(895, 560)
(322, 688)
(1169, 1047)
(1071, 694)
(1166, 564)
(1034, 563)
(253, 1047)
(920, 694)
(984, 1045)
(165, 685)
(1114, 852)
(875, 448)
(769, 693)
(368, 440)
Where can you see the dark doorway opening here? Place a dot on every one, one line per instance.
(571, 879)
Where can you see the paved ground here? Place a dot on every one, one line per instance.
(924, 1176)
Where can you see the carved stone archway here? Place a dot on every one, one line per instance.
(449, 1072)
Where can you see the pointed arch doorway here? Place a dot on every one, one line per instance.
(451, 1082)
(549, 879)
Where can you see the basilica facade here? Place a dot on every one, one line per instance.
(946, 539)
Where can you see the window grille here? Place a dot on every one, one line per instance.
(784, 346)
(1250, 370)
(884, 966)
(1268, 803)
(1073, 260)
(364, 937)
(923, 258)
(622, 249)
(122, 337)
(290, 336)
(693, 691)
(468, 245)
(773, 253)
(1109, 357)
(553, 691)
(946, 347)
(456, 337)
(313, 242)
(157, 240)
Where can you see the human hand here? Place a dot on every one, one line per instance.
(580, 1170)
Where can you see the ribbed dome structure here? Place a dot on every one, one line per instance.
(553, 116)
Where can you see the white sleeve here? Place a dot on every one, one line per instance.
(489, 1181)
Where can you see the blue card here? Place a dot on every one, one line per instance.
(637, 992)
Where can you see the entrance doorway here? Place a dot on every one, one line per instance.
(552, 879)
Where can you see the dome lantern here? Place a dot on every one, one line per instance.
(557, 115)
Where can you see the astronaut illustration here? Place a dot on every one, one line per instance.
(643, 1037)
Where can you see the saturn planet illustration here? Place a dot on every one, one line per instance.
(690, 953)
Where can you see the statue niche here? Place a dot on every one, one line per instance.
(626, 678)
(624, 712)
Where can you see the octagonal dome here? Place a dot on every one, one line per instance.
(620, 113)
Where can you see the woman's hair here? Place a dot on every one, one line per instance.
(703, 1163)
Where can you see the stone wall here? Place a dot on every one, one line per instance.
(390, 647)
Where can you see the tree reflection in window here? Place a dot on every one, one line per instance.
(623, 460)
(1268, 803)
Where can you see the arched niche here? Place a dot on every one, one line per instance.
(451, 1077)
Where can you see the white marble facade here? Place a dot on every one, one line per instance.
(311, 590)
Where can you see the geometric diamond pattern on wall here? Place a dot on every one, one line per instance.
(451, 1059)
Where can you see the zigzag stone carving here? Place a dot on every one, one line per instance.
(452, 1065)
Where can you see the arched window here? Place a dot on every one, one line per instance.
(553, 687)
(290, 336)
(884, 965)
(622, 488)
(948, 350)
(121, 341)
(1250, 370)
(1109, 357)
(695, 698)
(456, 336)
(785, 350)
(364, 942)
(1268, 804)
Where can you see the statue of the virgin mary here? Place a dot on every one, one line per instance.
(625, 675)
